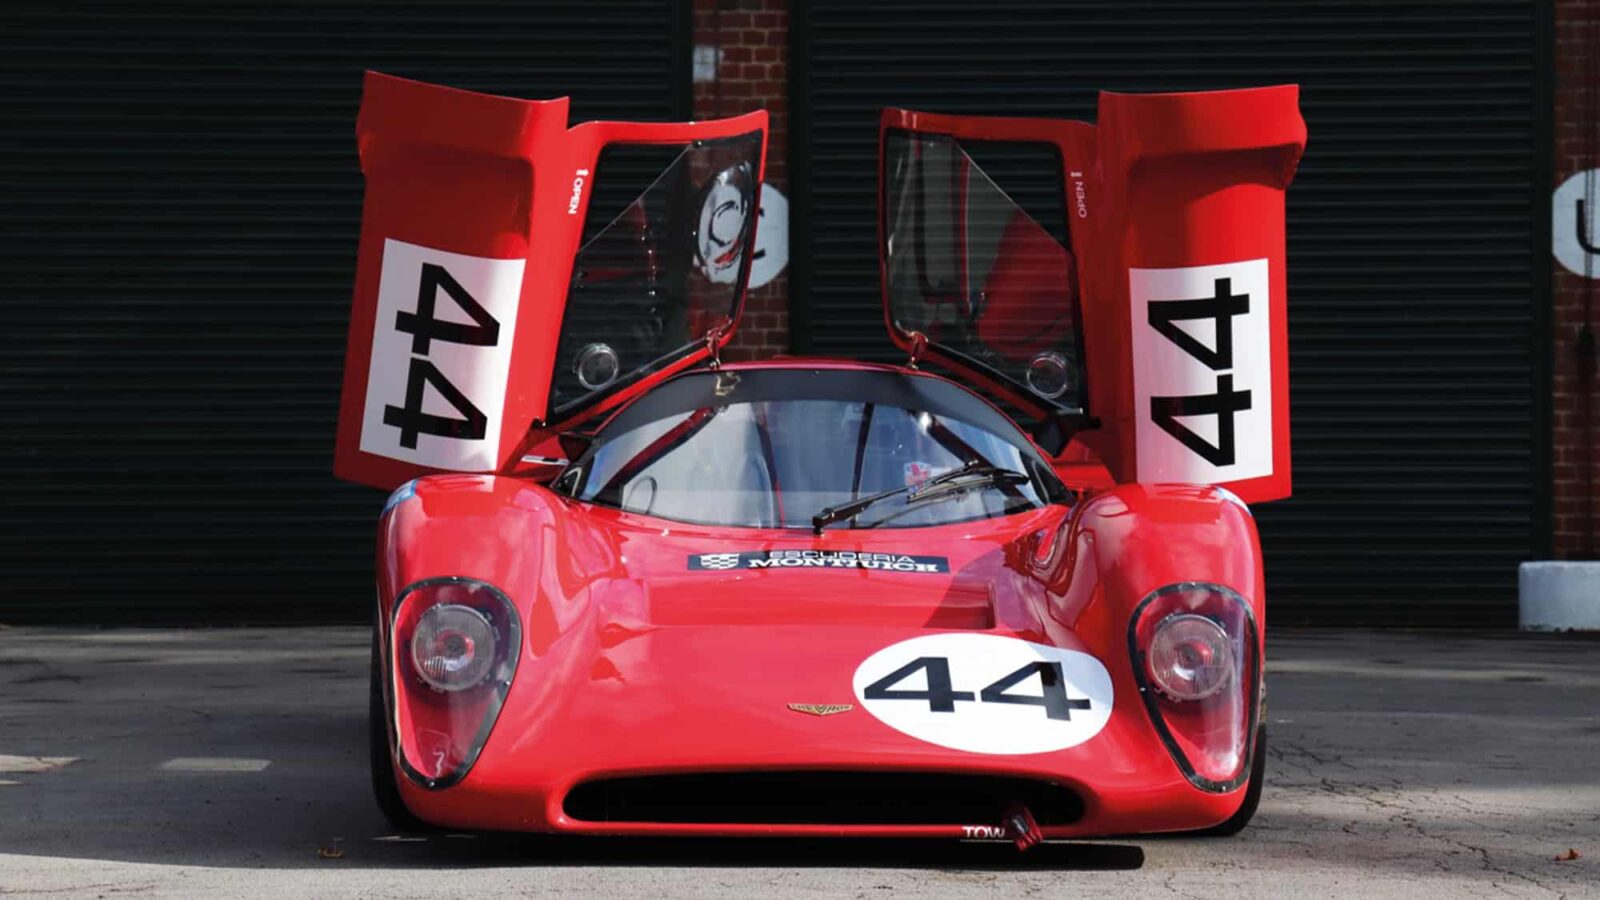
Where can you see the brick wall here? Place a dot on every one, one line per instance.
(1576, 466)
(742, 64)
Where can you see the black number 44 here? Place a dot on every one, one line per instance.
(1220, 307)
(425, 328)
(941, 697)
(412, 421)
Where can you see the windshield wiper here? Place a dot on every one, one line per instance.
(974, 473)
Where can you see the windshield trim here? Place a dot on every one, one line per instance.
(806, 529)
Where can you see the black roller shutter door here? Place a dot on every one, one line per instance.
(1414, 300)
(181, 207)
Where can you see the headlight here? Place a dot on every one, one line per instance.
(1197, 657)
(1190, 657)
(453, 647)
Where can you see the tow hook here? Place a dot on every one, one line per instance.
(1021, 827)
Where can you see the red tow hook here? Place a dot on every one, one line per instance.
(1021, 827)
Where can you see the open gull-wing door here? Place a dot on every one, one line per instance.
(498, 303)
(1153, 331)
(973, 280)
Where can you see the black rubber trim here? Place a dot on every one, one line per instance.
(1152, 705)
(513, 641)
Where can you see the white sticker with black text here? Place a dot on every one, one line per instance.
(441, 357)
(1202, 372)
(984, 693)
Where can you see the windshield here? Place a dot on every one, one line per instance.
(740, 455)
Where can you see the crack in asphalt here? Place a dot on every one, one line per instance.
(1167, 883)
(1391, 795)
(111, 887)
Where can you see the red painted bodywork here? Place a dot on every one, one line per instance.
(629, 663)
(633, 665)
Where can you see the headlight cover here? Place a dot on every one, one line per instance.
(1190, 657)
(1195, 654)
(452, 652)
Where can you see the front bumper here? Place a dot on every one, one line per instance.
(615, 702)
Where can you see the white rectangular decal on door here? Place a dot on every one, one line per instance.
(1202, 373)
(441, 357)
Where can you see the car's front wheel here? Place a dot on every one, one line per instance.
(381, 762)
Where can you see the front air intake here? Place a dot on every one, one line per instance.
(819, 798)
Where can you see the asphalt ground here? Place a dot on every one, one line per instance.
(205, 763)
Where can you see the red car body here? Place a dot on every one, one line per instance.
(987, 677)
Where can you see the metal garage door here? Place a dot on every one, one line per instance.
(1416, 286)
(181, 204)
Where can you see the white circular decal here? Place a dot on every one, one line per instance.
(986, 694)
(772, 237)
(1576, 232)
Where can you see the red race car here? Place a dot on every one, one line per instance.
(626, 589)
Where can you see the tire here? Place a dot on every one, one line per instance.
(381, 763)
(1252, 794)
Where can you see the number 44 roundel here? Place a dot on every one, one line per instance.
(984, 693)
